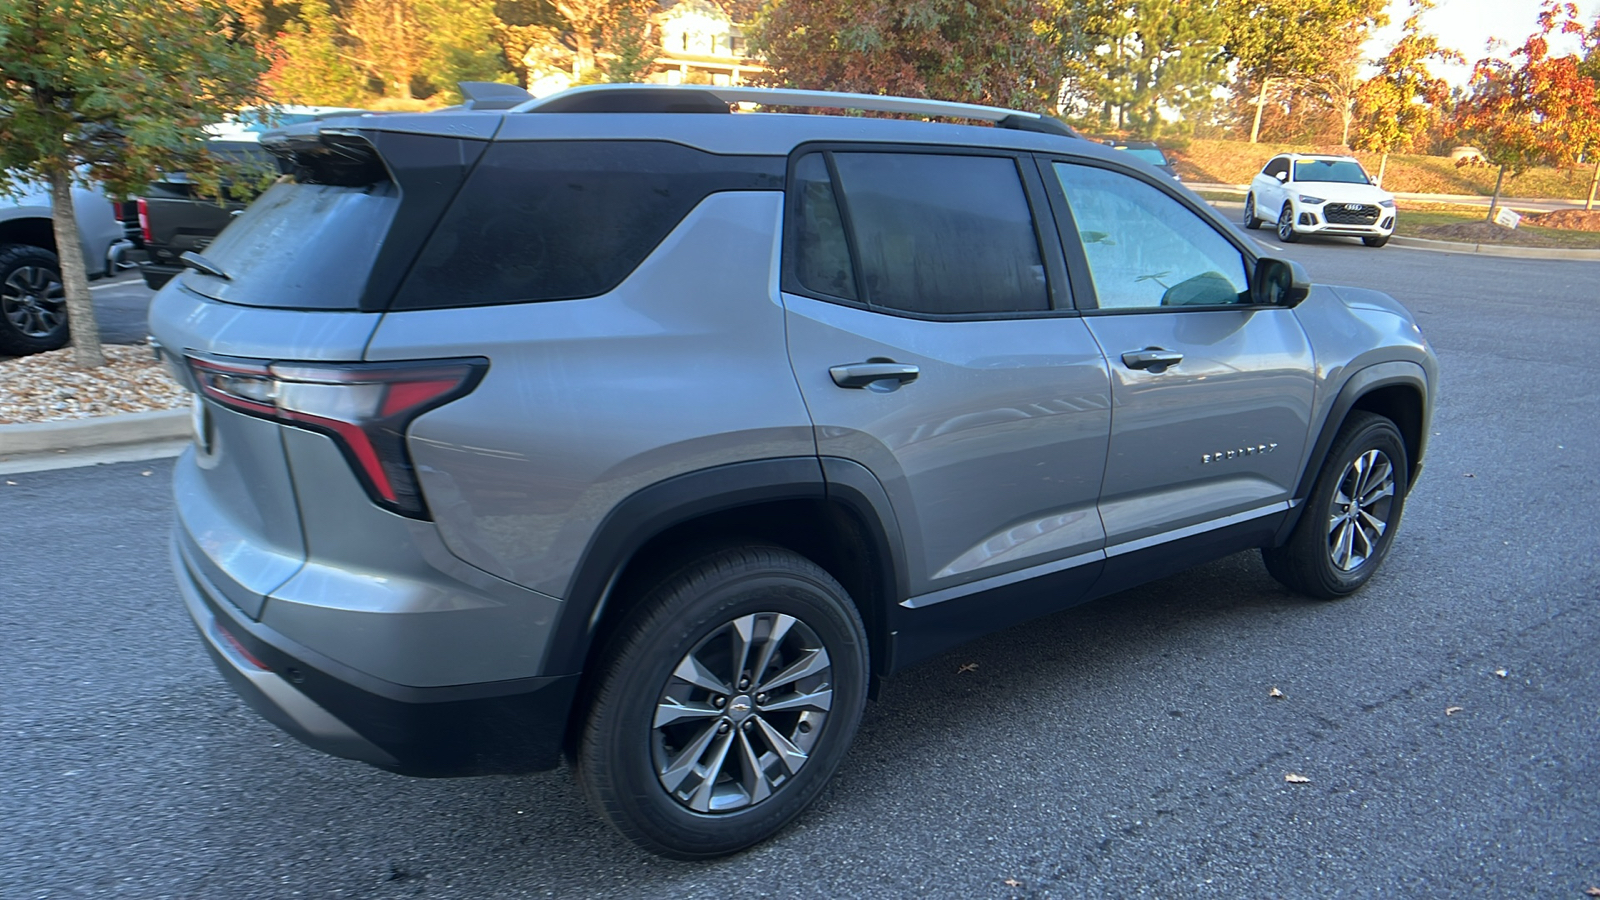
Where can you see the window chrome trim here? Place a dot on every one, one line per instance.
(1177, 534)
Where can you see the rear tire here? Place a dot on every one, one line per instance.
(1351, 515)
(33, 304)
(1286, 232)
(1250, 220)
(1378, 241)
(691, 753)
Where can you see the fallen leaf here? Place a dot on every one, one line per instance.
(1276, 693)
(1292, 778)
(1501, 672)
(147, 473)
(1012, 883)
(1451, 710)
(967, 667)
(1470, 475)
(13, 483)
(1593, 892)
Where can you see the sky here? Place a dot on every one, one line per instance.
(1467, 25)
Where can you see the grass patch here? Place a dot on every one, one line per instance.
(1236, 162)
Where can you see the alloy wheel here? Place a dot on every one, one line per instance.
(33, 301)
(1362, 502)
(1286, 225)
(741, 712)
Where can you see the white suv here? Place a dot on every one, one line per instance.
(1314, 194)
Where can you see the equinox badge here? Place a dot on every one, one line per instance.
(1221, 455)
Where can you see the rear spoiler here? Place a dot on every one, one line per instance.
(327, 156)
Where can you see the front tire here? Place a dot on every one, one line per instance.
(33, 304)
(724, 702)
(1377, 241)
(1250, 220)
(1286, 232)
(1352, 514)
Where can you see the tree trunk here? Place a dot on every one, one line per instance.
(1261, 102)
(584, 61)
(86, 352)
(1594, 183)
(1383, 163)
(1494, 202)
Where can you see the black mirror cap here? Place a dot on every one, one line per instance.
(1279, 282)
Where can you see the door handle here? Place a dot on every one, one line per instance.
(1153, 358)
(872, 373)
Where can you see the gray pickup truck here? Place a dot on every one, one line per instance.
(33, 308)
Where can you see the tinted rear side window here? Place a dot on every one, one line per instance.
(822, 255)
(942, 234)
(557, 220)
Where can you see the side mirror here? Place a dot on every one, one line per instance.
(1279, 282)
(1281, 176)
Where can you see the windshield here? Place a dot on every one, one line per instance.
(1342, 171)
(1151, 155)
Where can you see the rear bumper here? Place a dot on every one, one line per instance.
(476, 729)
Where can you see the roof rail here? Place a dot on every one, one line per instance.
(708, 98)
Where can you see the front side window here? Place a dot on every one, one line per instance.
(1147, 250)
(942, 235)
(1339, 171)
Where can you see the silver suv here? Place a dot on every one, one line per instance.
(624, 426)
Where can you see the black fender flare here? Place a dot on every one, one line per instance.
(1362, 382)
(652, 510)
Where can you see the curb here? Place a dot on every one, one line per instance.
(1512, 252)
(95, 433)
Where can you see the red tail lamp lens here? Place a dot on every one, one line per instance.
(365, 408)
(144, 220)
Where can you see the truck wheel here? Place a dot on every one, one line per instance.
(1351, 515)
(724, 702)
(33, 304)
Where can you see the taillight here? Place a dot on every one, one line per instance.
(144, 221)
(365, 408)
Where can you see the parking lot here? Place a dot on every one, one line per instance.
(1447, 719)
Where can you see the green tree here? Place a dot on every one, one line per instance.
(115, 92)
(462, 44)
(1532, 107)
(1132, 59)
(1295, 40)
(1400, 105)
(978, 51)
(312, 61)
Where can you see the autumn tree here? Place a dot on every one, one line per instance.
(1295, 41)
(311, 61)
(1532, 107)
(1400, 105)
(976, 51)
(114, 92)
(1134, 59)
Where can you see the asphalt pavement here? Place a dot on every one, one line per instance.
(1447, 719)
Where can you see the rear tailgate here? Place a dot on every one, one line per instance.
(307, 270)
(240, 525)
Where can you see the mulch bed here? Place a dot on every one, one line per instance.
(1482, 233)
(47, 387)
(1568, 219)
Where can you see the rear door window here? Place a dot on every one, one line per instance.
(940, 234)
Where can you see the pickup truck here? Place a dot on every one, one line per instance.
(33, 305)
(175, 217)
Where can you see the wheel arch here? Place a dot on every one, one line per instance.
(831, 511)
(1397, 391)
(29, 228)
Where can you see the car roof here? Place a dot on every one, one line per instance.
(764, 133)
(1314, 156)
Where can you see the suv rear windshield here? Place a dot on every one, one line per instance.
(301, 246)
